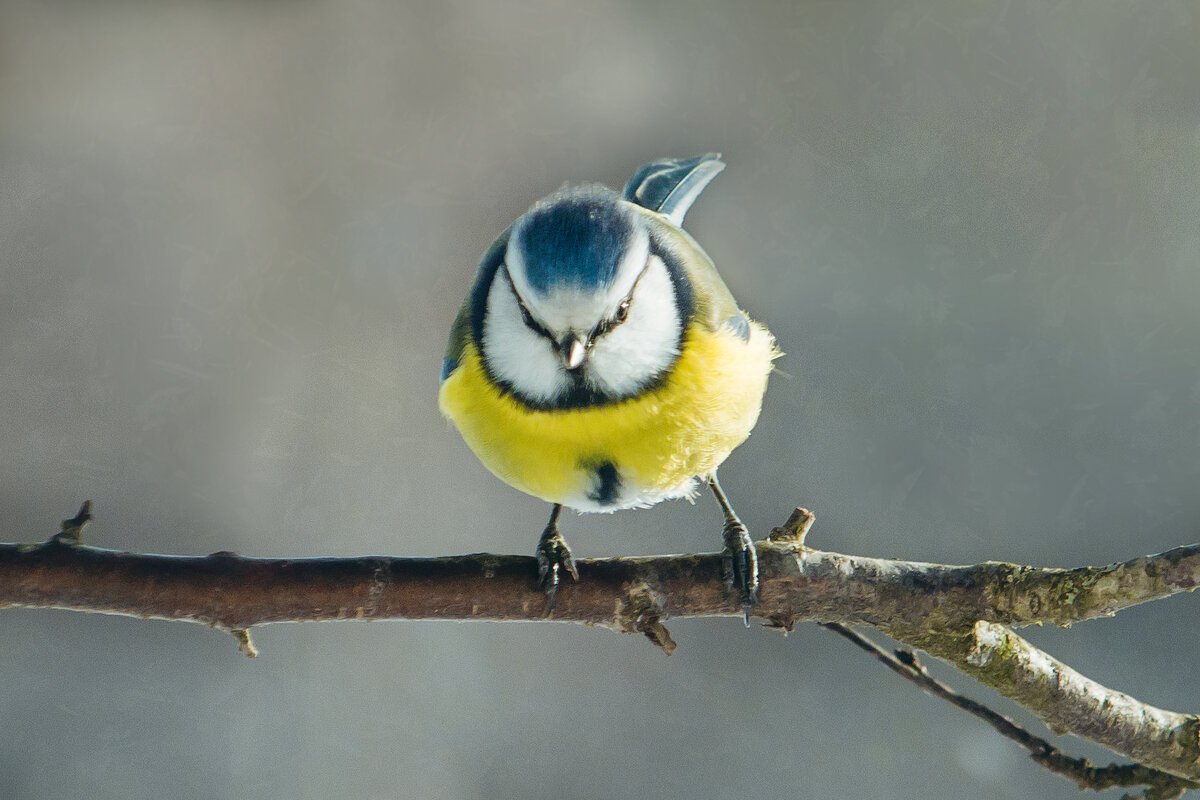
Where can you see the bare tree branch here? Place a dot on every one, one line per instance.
(1161, 785)
(903, 598)
(953, 612)
(1072, 703)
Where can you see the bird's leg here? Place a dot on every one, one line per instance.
(743, 559)
(553, 557)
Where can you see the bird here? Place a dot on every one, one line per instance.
(600, 363)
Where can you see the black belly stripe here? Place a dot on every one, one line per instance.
(608, 484)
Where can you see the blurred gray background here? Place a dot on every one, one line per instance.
(232, 240)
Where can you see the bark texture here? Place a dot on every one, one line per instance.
(957, 613)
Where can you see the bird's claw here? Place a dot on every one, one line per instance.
(743, 565)
(554, 558)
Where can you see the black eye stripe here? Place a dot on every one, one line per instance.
(604, 327)
(623, 307)
(526, 317)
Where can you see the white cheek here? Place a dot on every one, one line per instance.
(515, 353)
(632, 354)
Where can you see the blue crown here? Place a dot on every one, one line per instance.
(575, 239)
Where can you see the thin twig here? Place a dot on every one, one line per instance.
(1069, 702)
(904, 662)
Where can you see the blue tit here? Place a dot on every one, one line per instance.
(600, 363)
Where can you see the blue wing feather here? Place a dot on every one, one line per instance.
(671, 185)
(739, 323)
(448, 366)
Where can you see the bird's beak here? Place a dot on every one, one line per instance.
(573, 351)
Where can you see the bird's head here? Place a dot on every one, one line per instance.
(583, 309)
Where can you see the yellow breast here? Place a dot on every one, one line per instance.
(633, 453)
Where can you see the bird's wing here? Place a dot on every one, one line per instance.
(460, 334)
(670, 185)
(468, 325)
(712, 304)
(715, 305)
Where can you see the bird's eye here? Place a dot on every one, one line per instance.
(622, 311)
(619, 316)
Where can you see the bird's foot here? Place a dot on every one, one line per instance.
(554, 558)
(743, 564)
